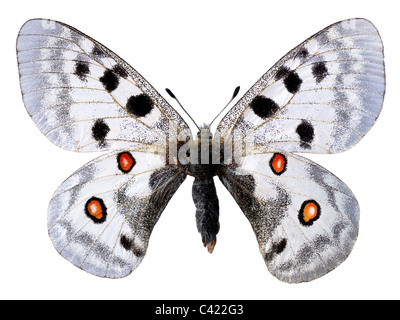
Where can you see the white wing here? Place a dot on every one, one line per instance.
(305, 219)
(101, 217)
(322, 97)
(83, 97)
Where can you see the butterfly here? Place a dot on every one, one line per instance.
(321, 97)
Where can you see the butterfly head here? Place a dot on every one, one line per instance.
(204, 133)
(199, 154)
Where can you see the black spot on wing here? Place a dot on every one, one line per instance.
(305, 130)
(126, 243)
(119, 70)
(303, 54)
(109, 80)
(319, 71)
(292, 82)
(277, 248)
(97, 52)
(140, 105)
(282, 72)
(280, 246)
(264, 107)
(100, 130)
(129, 245)
(81, 69)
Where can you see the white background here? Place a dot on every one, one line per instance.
(201, 51)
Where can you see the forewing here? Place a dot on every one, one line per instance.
(322, 97)
(101, 217)
(305, 219)
(84, 97)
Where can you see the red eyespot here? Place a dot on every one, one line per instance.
(125, 162)
(278, 163)
(309, 212)
(96, 210)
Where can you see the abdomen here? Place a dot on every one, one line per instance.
(207, 210)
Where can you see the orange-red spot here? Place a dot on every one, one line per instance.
(126, 162)
(278, 163)
(95, 209)
(310, 211)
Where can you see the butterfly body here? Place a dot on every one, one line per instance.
(200, 160)
(321, 97)
(207, 210)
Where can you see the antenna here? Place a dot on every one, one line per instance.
(173, 96)
(235, 93)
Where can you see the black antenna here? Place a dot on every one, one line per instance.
(174, 97)
(170, 93)
(235, 93)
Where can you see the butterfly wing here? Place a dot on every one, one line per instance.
(305, 219)
(101, 217)
(84, 97)
(322, 97)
